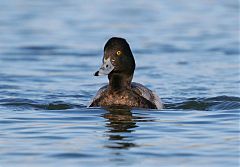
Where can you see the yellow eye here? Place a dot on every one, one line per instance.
(119, 53)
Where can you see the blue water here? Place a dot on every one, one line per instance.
(187, 51)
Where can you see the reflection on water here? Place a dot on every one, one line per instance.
(120, 123)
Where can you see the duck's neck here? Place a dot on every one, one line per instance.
(119, 82)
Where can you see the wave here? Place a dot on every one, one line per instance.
(30, 104)
(211, 103)
(204, 104)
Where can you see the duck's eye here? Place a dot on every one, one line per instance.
(119, 53)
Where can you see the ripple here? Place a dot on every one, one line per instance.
(166, 154)
(26, 104)
(4, 87)
(207, 104)
(226, 51)
(212, 103)
(26, 52)
(72, 155)
(40, 48)
(165, 48)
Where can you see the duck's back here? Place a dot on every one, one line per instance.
(147, 94)
(138, 96)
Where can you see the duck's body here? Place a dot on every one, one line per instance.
(119, 65)
(137, 97)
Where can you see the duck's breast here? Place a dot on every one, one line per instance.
(94, 101)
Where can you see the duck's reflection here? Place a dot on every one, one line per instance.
(120, 124)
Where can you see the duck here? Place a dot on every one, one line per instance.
(119, 65)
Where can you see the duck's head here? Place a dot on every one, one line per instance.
(118, 58)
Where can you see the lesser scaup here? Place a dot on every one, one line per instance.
(119, 65)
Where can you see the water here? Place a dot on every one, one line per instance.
(188, 52)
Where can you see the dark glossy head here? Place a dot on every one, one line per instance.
(117, 59)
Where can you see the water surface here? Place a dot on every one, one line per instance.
(188, 52)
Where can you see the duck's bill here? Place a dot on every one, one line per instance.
(105, 69)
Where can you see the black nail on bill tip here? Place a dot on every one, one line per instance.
(96, 73)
